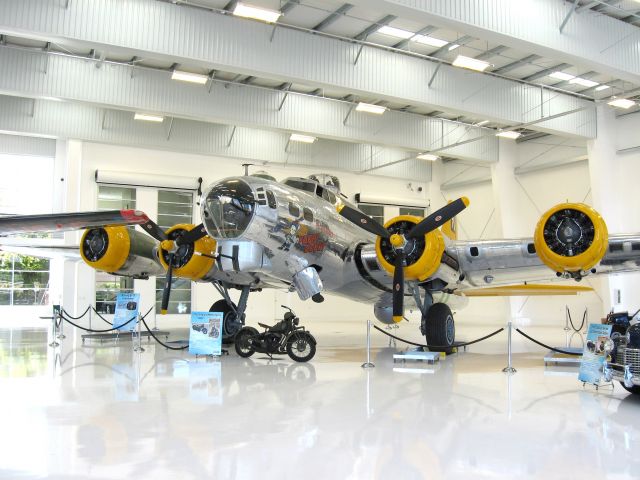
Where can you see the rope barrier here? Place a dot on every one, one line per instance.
(96, 331)
(169, 347)
(584, 318)
(440, 346)
(547, 346)
(75, 318)
(100, 316)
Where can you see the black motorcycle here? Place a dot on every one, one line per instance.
(283, 337)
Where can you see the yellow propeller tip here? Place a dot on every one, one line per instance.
(397, 318)
(163, 312)
(465, 200)
(339, 207)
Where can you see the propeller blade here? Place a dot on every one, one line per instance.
(192, 236)
(438, 218)
(153, 229)
(398, 288)
(363, 221)
(166, 292)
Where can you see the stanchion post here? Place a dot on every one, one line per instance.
(368, 363)
(61, 334)
(155, 321)
(138, 347)
(509, 369)
(54, 329)
(90, 328)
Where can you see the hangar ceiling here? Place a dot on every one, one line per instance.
(308, 72)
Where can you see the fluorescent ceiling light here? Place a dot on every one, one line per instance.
(453, 47)
(395, 32)
(428, 156)
(432, 41)
(258, 13)
(508, 134)
(584, 82)
(622, 103)
(602, 87)
(483, 122)
(470, 63)
(189, 77)
(562, 76)
(296, 137)
(148, 118)
(370, 108)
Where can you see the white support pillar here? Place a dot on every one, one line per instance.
(78, 279)
(603, 172)
(506, 190)
(147, 201)
(508, 218)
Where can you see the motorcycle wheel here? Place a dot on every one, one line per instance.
(301, 346)
(242, 341)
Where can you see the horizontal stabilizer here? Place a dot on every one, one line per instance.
(526, 290)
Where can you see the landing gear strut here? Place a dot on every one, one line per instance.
(438, 325)
(233, 314)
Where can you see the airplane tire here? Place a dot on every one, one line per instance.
(230, 326)
(440, 328)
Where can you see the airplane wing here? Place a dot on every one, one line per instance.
(70, 221)
(492, 263)
(68, 252)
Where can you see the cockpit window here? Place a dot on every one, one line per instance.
(329, 196)
(300, 184)
(229, 208)
(271, 199)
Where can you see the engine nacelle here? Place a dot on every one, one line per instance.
(121, 251)
(195, 261)
(423, 255)
(571, 238)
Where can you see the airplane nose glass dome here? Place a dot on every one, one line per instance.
(228, 208)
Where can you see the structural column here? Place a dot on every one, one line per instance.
(603, 172)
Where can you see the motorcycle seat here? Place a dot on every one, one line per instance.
(264, 325)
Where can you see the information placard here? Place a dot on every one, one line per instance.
(205, 336)
(127, 307)
(593, 356)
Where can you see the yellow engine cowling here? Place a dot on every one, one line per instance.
(121, 251)
(571, 238)
(193, 261)
(423, 261)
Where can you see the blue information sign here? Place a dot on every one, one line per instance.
(205, 336)
(127, 307)
(594, 356)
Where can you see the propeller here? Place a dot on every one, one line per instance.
(171, 246)
(399, 241)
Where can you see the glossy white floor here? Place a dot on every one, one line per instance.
(103, 411)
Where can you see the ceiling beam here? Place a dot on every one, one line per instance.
(332, 17)
(492, 52)
(517, 64)
(232, 44)
(386, 20)
(97, 124)
(545, 72)
(598, 42)
(423, 31)
(152, 90)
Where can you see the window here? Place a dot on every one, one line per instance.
(301, 184)
(294, 210)
(108, 286)
(416, 212)
(307, 214)
(23, 280)
(374, 211)
(174, 207)
(329, 196)
(271, 199)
